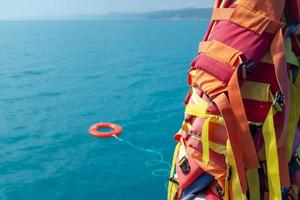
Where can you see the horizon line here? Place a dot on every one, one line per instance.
(60, 17)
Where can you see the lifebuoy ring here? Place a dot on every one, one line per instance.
(94, 129)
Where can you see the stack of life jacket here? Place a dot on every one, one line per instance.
(240, 136)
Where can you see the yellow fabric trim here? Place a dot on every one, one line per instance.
(293, 121)
(290, 55)
(172, 187)
(235, 183)
(200, 111)
(218, 148)
(272, 157)
(297, 84)
(267, 58)
(255, 91)
(196, 99)
(253, 184)
(205, 141)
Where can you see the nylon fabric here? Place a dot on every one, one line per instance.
(220, 52)
(272, 157)
(230, 124)
(292, 123)
(173, 187)
(200, 111)
(205, 140)
(248, 147)
(270, 8)
(253, 184)
(247, 18)
(256, 91)
(212, 168)
(290, 55)
(279, 60)
(236, 189)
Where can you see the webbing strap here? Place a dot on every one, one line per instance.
(279, 60)
(256, 91)
(247, 18)
(205, 141)
(272, 157)
(172, 188)
(219, 51)
(297, 84)
(292, 123)
(241, 123)
(200, 111)
(253, 184)
(230, 125)
(232, 183)
(290, 55)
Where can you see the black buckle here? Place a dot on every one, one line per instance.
(184, 165)
(229, 173)
(294, 164)
(278, 102)
(173, 180)
(291, 29)
(245, 68)
(254, 129)
(219, 191)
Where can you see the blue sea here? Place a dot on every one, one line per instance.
(59, 78)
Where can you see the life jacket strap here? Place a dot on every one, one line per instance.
(247, 18)
(220, 52)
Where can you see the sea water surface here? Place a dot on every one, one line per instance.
(58, 78)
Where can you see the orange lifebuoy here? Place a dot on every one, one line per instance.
(94, 130)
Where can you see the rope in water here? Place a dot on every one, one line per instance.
(115, 130)
(161, 160)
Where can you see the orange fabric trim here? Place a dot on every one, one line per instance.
(236, 102)
(279, 60)
(212, 168)
(283, 167)
(231, 124)
(270, 8)
(208, 83)
(220, 51)
(247, 18)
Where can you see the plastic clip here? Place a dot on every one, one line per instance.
(184, 165)
(245, 68)
(278, 102)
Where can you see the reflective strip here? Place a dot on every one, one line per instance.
(253, 184)
(255, 91)
(272, 157)
(247, 18)
(220, 52)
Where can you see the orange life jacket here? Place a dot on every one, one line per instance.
(247, 67)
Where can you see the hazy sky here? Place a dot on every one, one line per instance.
(26, 8)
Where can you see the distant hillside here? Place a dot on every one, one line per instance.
(180, 14)
(187, 13)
